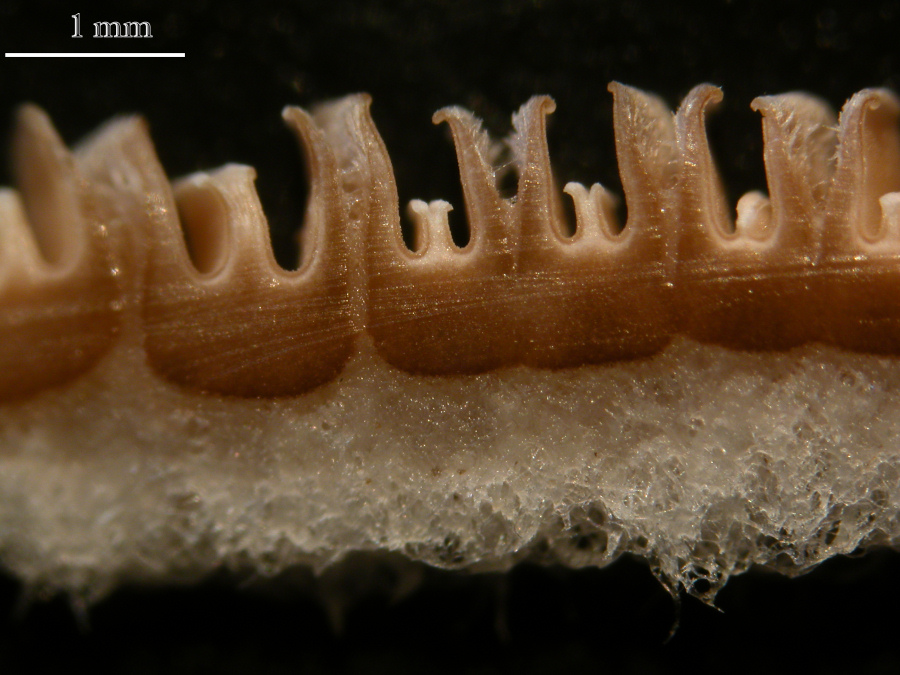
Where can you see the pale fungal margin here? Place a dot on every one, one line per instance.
(708, 396)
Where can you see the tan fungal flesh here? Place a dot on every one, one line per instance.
(97, 247)
(59, 294)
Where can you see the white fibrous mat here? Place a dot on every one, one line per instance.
(700, 460)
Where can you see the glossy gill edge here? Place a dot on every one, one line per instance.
(106, 256)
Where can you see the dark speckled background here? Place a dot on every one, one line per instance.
(222, 103)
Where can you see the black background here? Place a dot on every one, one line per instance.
(222, 103)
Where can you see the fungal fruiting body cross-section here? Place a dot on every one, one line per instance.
(705, 391)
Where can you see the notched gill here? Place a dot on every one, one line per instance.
(440, 310)
(255, 329)
(751, 286)
(860, 259)
(600, 295)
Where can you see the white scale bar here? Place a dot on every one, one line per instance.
(93, 54)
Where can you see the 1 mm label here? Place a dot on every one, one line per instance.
(115, 29)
